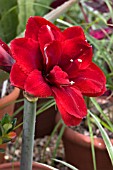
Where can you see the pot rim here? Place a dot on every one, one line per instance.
(76, 137)
(35, 165)
(9, 98)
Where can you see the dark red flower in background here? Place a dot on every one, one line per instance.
(54, 63)
(102, 7)
(6, 61)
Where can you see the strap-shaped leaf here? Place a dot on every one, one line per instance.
(104, 136)
(25, 8)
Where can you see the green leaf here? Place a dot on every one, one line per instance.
(50, 138)
(14, 122)
(7, 127)
(92, 141)
(66, 164)
(102, 113)
(58, 140)
(6, 139)
(41, 10)
(25, 8)
(104, 136)
(6, 119)
(8, 19)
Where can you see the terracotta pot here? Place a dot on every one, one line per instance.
(16, 166)
(3, 146)
(7, 106)
(45, 121)
(78, 151)
(7, 102)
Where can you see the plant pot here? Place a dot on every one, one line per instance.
(7, 106)
(16, 166)
(45, 121)
(7, 102)
(78, 151)
(3, 146)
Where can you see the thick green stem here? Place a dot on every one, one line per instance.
(28, 135)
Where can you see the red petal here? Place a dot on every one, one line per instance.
(71, 101)
(34, 24)
(27, 53)
(68, 119)
(91, 82)
(52, 54)
(18, 76)
(36, 85)
(11, 135)
(74, 32)
(77, 54)
(58, 77)
(5, 46)
(47, 34)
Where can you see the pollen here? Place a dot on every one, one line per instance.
(80, 60)
(71, 60)
(72, 82)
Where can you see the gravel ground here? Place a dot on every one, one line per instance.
(40, 154)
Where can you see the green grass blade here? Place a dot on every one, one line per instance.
(58, 140)
(92, 142)
(105, 137)
(45, 107)
(102, 113)
(50, 138)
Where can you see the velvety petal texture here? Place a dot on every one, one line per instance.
(74, 32)
(34, 25)
(90, 84)
(36, 85)
(51, 62)
(26, 52)
(18, 76)
(71, 100)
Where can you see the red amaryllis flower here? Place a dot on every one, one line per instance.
(6, 61)
(54, 63)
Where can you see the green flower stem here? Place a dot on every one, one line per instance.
(28, 134)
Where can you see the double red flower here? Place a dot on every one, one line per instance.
(59, 64)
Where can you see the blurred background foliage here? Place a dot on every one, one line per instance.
(15, 13)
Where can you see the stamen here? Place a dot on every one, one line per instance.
(71, 60)
(72, 82)
(80, 60)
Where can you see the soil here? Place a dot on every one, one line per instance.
(13, 151)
